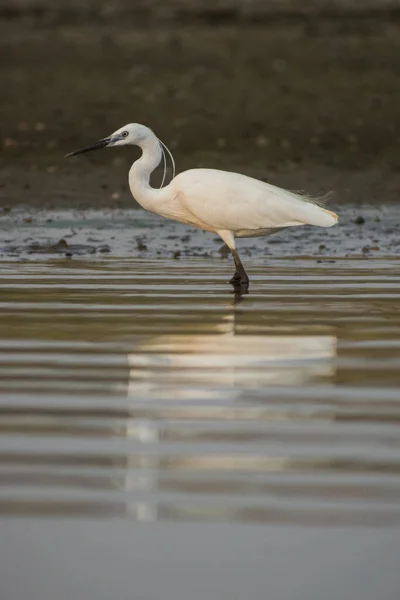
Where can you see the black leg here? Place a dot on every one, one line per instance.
(240, 278)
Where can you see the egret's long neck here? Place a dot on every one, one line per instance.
(140, 171)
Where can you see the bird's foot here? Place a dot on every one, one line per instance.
(240, 283)
(236, 279)
(239, 278)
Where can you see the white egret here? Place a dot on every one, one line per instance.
(229, 204)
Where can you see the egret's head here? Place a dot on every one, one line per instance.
(132, 134)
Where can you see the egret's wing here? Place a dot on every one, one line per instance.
(234, 202)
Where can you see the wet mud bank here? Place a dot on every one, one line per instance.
(313, 110)
(365, 233)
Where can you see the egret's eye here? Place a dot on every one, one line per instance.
(125, 134)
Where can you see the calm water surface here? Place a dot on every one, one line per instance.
(162, 438)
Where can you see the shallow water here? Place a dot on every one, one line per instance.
(141, 390)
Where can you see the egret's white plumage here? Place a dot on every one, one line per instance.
(229, 204)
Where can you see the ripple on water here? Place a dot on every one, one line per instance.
(131, 388)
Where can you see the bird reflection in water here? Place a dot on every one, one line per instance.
(215, 373)
(203, 366)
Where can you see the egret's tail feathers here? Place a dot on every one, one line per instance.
(318, 200)
(315, 213)
(305, 209)
(332, 217)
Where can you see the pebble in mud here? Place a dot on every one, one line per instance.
(60, 245)
(140, 245)
(36, 247)
(359, 220)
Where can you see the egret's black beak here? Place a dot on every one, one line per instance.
(100, 144)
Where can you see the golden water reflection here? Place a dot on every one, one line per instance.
(246, 361)
(182, 365)
(152, 401)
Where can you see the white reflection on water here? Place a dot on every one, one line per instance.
(204, 367)
(197, 366)
(237, 415)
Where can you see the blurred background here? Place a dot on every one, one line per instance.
(161, 437)
(303, 93)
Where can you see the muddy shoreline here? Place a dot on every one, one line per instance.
(199, 11)
(315, 110)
